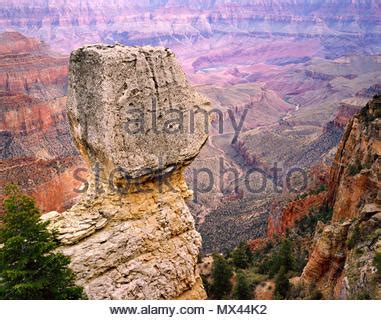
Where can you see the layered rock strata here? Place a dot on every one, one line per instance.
(132, 235)
(36, 148)
(67, 23)
(341, 263)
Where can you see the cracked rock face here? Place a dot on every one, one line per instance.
(138, 242)
(132, 107)
(341, 263)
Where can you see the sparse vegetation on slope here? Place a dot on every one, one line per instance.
(278, 261)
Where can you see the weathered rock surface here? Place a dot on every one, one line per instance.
(341, 261)
(131, 107)
(136, 238)
(354, 177)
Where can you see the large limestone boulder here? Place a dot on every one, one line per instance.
(132, 107)
(136, 241)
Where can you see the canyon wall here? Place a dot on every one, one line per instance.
(36, 149)
(273, 57)
(341, 259)
(354, 177)
(132, 235)
(294, 211)
(68, 24)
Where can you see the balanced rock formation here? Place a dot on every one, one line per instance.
(341, 263)
(132, 235)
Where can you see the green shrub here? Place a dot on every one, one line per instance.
(363, 295)
(355, 168)
(280, 256)
(242, 256)
(315, 293)
(221, 275)
(206, 284)
(307, 224)
(354, 237)
(253, 276)
(29, 266)
(282, 285)
(242, 289)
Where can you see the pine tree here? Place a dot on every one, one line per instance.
(240, 256)
(286, 259)
(242, 288)
(282, 258)
(221, 274)
(29, 268)
(206, 284)
(282, 285)
(249, 254)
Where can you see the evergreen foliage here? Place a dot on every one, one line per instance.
(242, 288)
(29, 267)
(307, 224)
(242, 256)
(282, 285)
(221, 275)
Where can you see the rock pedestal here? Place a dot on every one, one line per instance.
(132, 235)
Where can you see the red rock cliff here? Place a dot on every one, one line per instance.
(341, 259)
(36, 149)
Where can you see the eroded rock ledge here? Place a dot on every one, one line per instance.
(134, 239)
(341, 263)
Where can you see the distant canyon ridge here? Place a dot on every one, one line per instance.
(69, 24)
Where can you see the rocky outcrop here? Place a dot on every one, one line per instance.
(36, 149)
(294, 211)
(351, 106)
(327, 259)
(354, 177)
(285, 214)
(341, 260)
(344, 114)
(132, 235)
